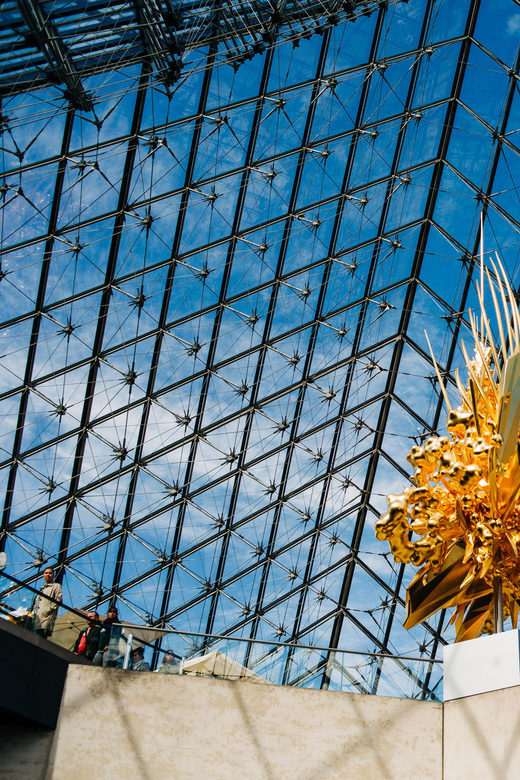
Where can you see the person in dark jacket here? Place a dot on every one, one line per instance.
(109, 653)
(87, 643)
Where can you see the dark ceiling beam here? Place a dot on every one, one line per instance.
(44, 35)
(282, 253)
(102, 316)
(396, 357)
(254, 391)
(158, 24)
(119, 38)
(164, 313)
(35, 331)
(290, 92)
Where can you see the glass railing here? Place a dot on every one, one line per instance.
(123, 645)
(309, 666)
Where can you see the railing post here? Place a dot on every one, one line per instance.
(498, 607)
(128, 650)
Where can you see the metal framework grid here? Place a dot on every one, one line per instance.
(215, 282)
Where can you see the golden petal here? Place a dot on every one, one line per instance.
(475, 617)
(422, 601)
(509, 422)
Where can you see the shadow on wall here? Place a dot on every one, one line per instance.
(24, 751)
(107, 684)
(336, 761)
(482, 739)
(157, 727)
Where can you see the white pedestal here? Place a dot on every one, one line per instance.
(488, 663)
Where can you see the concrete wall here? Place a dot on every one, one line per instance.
(482, 736)
(24, 751)
(33, 676)
(161, 727)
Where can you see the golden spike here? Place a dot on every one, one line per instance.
(445, 394)
(475, 406)
(492, 481)
(486, 567)
(478, 347)
(462, 389)
(487, 371)
(482, 254)
(510, 487)
(454, 616)
(509, 420)
(489, 333)
(459, 622)
(476, 615)
(475, 380)
(514, 307)
(447, 486)
(498, 316)
(460, 517)
(473, 326)
(469, 550)
(480, 288)
(469, 577)
(513, 344)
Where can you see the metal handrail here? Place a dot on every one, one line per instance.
(293, 644)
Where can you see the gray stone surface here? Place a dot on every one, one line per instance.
(482, 736)
(24, 751)
(162, 727)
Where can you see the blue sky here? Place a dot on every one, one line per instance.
(266, 270)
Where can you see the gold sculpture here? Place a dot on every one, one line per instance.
(460, 520)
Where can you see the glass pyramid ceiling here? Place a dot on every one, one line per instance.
(215, 283)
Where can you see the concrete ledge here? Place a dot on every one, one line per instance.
(167, 727)
(482, 736)
(161, 727)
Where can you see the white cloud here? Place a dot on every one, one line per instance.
(513, 24)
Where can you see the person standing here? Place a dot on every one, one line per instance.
(170, 664)
(109, 652)
(46, 610)
(87, 643)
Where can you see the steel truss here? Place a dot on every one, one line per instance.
(43, 43)
(214, 291)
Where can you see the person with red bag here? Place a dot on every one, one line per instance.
(87, 643)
